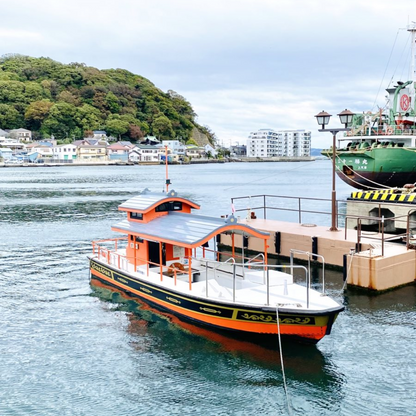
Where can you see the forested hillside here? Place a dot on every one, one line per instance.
(69, 101)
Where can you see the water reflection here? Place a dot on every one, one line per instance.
(153, 330)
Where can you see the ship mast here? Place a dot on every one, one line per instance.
(412, 29)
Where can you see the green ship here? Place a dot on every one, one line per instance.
(380, 149)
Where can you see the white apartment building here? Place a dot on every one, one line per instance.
(282, 143)
(262, 143)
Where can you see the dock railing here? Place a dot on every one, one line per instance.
(381, 223)
(264, 203)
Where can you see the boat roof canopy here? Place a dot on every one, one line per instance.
(186, 230)
(148, 200)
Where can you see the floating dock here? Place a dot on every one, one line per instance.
(373, 263)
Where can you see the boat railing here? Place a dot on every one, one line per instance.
(313, 257)
(250, 262)
(388, 131)
(212, 268)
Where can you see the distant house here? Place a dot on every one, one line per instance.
(175, 145)
(99, 134)
(91, 142)
(43, 150)
(120, 152)
(152, 140)
(194, 152)
(6, 153)
(95, 153)
(144, 153)
(4, 133)
(210, 150)
(22, 135)
(65, 152)
(238, 150)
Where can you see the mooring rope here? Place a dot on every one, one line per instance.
(289, 407)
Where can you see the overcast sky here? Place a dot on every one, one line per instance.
(242, 64)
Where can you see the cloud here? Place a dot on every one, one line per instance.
(243, 64)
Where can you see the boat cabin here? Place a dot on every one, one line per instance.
(163, 233)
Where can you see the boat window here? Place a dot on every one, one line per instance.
(136, 216)
(169, 206)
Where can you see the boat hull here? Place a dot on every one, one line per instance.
(244, 320)
(377, 167)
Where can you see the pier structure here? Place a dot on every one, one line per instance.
(372, 260)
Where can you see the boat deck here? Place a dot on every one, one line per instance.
(216, 282)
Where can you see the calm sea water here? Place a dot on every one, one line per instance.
(68, 349)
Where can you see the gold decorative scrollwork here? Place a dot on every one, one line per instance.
(295, 321)
(143, 289)
(262, 318)
(209, 310)
(270, 318)
(173, 300)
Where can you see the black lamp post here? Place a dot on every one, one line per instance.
(345, 118)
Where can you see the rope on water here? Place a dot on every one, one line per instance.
(289, 407)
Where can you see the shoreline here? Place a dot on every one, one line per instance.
(192, 162)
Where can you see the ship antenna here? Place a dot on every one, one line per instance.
(167, 175)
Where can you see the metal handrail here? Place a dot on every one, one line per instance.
(307, 253)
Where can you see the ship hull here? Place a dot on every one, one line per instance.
(243, 320)
(377, 167)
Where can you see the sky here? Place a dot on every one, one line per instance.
(243, 65)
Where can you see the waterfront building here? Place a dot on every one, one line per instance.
(262, 143)
(64, 152)
(282, 143)
(210, 150)
(238, 150)
(144, 153)
(44, 151)
(22, 135)
(6, 153)
(175, 145)
(92, 153)
(118, 151)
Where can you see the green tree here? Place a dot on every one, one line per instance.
(36, 112)
(10, 118)
(162, 127)
(116, 127)
(61, 121)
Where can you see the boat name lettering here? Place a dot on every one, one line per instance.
(209, 310)
(120, 279)
(146, 290)
(101, 269)
(173, 300)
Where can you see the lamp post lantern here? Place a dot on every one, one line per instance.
(345, 118)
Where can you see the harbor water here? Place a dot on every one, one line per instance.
(69, 349)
